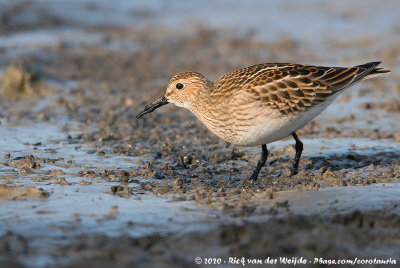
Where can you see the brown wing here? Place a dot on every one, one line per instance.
(292, 88)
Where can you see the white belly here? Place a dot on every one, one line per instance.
(270, 130)
(262, 128)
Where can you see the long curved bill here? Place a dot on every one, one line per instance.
(152, 106)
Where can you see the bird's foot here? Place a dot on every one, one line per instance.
(254, 176)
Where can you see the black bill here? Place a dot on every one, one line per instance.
(152, 106)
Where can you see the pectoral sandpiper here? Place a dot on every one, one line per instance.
(262, 103)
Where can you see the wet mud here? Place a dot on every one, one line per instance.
(83, 183)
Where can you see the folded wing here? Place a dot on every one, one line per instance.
(292, 88)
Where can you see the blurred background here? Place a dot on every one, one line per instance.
(340, 30)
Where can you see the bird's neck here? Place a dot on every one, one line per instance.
(208, 107)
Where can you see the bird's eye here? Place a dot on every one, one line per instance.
(179, 86)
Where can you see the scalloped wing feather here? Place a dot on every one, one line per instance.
(292, 88)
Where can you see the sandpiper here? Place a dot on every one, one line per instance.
(262, 103)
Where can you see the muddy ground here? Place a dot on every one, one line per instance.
(83, 183)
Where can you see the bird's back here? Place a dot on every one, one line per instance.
(291, 88)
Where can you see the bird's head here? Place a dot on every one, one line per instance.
(182, 90)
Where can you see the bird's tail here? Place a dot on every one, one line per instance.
(369, 70)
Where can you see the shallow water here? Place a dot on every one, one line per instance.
(91, 204)
(77, 209)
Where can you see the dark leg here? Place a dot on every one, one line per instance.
(299, 150)
(261, 162)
